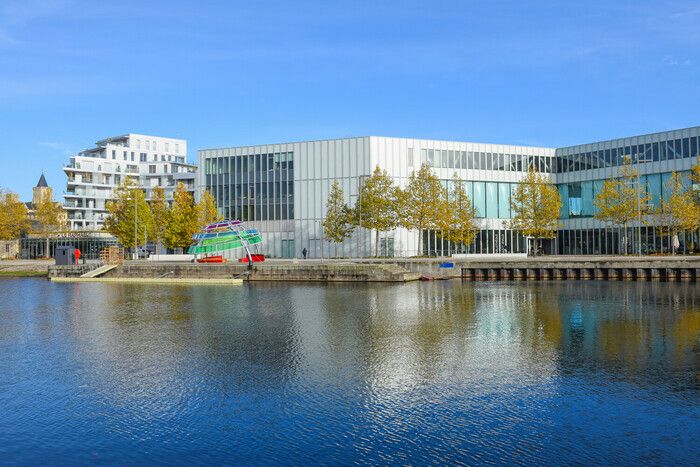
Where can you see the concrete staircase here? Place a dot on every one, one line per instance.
(99, 271)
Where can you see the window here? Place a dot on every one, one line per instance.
(177, 148)
(151, 169)
(167, 149)
(143, 157)
(114, 154)
(409, 157)
(575, 200)
(492, 200)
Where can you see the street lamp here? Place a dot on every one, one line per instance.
(361, 243)
(639, 206)
(320, 236)
(136, 235)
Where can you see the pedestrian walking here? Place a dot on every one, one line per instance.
(303, 252)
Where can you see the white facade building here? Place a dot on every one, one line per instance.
(93, 174)
(281, 189)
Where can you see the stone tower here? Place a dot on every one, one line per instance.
(40, 191)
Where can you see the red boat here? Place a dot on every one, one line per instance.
(212, 259)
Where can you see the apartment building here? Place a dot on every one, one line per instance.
(147, 160)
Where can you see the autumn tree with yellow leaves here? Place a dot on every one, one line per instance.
(377, 206)
(678, 212)
(160, 211)
(336, 225)
(461, 226)
(536, 205)
(424, 204)
(130, 218)
(206, 210)
(183, 220)
(621, 200)
(13, 216)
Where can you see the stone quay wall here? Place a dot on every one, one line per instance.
(402, 270)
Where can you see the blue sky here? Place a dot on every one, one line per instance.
(221, 73)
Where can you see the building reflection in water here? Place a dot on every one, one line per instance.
(389, 336)
(510, 369)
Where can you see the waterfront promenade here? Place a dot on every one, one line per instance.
(25, 268)
(669, 268)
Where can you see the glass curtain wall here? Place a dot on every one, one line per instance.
(608, 241)
(253, 187)
(475, 160)
(571, 160)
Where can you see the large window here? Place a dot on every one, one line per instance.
(470, 160)
(252, 187)
(637, 153)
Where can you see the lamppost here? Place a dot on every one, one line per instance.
(136, 216)
(639, 206)
(320, 236)
(361, 241)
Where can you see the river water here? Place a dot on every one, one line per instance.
(443, 372)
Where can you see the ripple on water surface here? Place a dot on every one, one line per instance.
(444, 372)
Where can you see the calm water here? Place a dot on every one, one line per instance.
(444, 372)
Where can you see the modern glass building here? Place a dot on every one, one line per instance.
(581, 171)
(281, 189)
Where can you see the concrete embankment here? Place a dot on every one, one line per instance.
(274, 271)
(670, 268)
(24, 268)
(403, 270)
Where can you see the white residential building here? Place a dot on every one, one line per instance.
(94, 173)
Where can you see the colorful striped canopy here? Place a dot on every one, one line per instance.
(223, 236)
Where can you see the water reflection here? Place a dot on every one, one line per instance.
(423, 372)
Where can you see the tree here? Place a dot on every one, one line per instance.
(50, 215)
(621, 200)
(424, 203)
(130, 218)
(377, 205)
(461, 219)
(182, 221)
(336, 225)
(695, 179)
(206, 210)
(536, 205)
(679, 212)
(159, 209)
(13, 216)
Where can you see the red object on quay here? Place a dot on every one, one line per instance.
(212, 259)
(255, 258)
